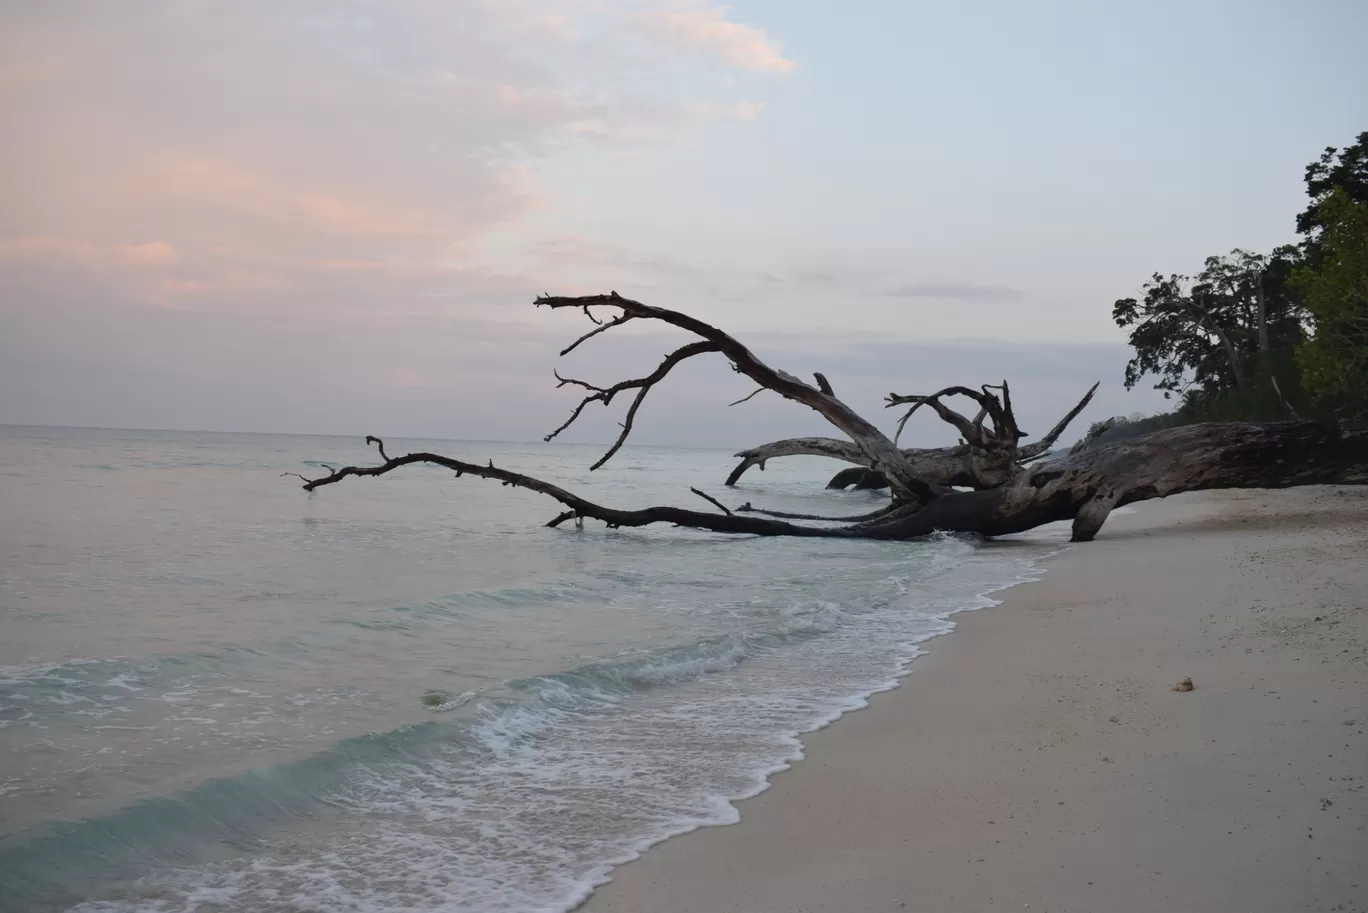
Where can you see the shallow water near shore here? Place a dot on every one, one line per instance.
(218, 692)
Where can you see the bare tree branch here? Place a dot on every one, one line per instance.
(967, 429)
(1004, 426)
(879, 449)
(861, 478)
(1083, 487)
(580, 507)
(1033, 450)
(814, 446)
(716, 503)
(1015, 430)
(602, 328)
(641, 384)
(857, 518)
(978, 420)
(747, 396)
(963, 465)
(379, 444)
(1095, 431)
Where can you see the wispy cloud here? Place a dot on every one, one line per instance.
(744, 46)
(968, 291)
(740, 110)
(324, 133)
(60, 252)
(22, 73)
(885, 282)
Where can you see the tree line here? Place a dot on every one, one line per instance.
(1267, 336)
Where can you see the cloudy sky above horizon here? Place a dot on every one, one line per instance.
(333, 216)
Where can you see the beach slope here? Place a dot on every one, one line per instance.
(1041, 759)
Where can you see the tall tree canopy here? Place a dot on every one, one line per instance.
(1214, 332)
(1343, 170)
(1334, 361)
(1247, 328)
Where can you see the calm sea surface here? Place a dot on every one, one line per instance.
(220, 693)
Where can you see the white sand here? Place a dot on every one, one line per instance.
(1039, 759)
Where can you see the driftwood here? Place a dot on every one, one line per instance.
(1082, 487)
(961, 466)
(861, 478)
(986, 457)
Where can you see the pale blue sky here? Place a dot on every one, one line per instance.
(331, 216)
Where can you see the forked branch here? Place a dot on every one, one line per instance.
(725, 522)
(1042, 446)
(878, 449)
(964, 465)
(642, 385)
(1004, 433)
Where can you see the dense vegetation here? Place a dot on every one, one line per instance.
(1266, 336)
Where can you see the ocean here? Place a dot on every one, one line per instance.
(221, 693)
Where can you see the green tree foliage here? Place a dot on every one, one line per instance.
(1218, 332)
(1251, 336)
(1344, 170)
(1334, 361)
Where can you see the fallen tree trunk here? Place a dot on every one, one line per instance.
(1082, 487)
(959, 466)
(1086, 487)
(986, 458)
(580, 508)
(860, 478)
(830, 447)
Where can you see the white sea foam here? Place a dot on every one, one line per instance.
(596, 690)
(579, 772)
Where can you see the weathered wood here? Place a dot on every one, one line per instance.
(860, 478)
(579, 507)
(1082, 487)
(881, 451)
(990, 458)
(1087, 486)
(798, 446)
(960, 466)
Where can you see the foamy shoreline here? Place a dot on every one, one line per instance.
(1039, 758)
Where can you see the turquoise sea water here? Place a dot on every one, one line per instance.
(218, 692)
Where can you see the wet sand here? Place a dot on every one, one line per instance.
(1040, 759)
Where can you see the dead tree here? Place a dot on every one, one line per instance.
(1082, 487)
(986, 456)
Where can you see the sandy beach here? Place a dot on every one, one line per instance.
(1039, 758)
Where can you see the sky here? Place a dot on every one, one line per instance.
(332, 217)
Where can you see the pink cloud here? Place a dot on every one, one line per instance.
(285, 170)
(19, 74)
(405, 377)
(225, 185)
(63, 252)
(177, 287)
(744, 46)
(741, 110)
(343, 265)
